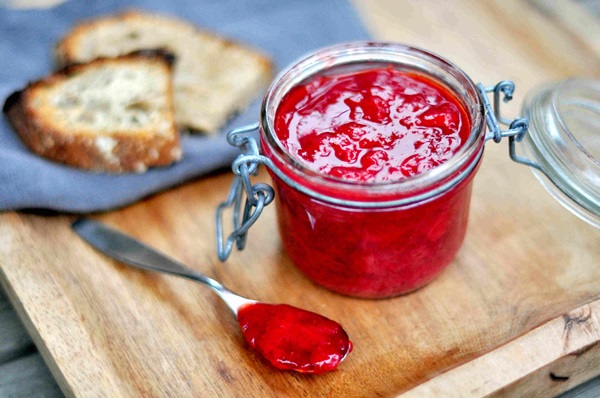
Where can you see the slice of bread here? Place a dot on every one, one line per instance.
(213, 79)
(112, 114)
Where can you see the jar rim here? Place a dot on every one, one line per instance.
(368, 53)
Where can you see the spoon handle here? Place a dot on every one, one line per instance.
(130, 251)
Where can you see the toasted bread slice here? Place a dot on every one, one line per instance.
(213, 79)
(112, 114)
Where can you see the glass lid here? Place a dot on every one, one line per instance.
(564, 140)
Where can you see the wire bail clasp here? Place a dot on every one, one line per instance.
(517, 128)
(257, 196)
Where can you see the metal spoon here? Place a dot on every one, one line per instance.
(285, 345)
(128, 250)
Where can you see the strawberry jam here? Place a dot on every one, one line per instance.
(373, 151)
(372, 126)
(294, 339)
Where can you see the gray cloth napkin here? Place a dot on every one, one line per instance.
(284, 29)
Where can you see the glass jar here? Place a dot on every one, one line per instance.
(383, 239)
(373, 240)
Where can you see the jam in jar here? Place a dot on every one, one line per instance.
(377, 144)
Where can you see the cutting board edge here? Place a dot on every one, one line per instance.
(565, 346)
(37, 338)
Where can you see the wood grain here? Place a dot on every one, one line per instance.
(556, 356)
(105, 329)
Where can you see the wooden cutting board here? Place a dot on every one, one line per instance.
(515, 313)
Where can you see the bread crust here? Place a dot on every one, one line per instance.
(131, 152)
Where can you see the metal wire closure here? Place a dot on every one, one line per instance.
(517, 127)
(257, 196)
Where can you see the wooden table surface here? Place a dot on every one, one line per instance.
(529, 42)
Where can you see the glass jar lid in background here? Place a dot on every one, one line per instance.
(564, 141)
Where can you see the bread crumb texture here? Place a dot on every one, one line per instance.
(125, 97)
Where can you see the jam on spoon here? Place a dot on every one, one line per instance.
(291, 338)
(288, 337)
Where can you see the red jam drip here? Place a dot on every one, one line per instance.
(375, 125)
(294, 339)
